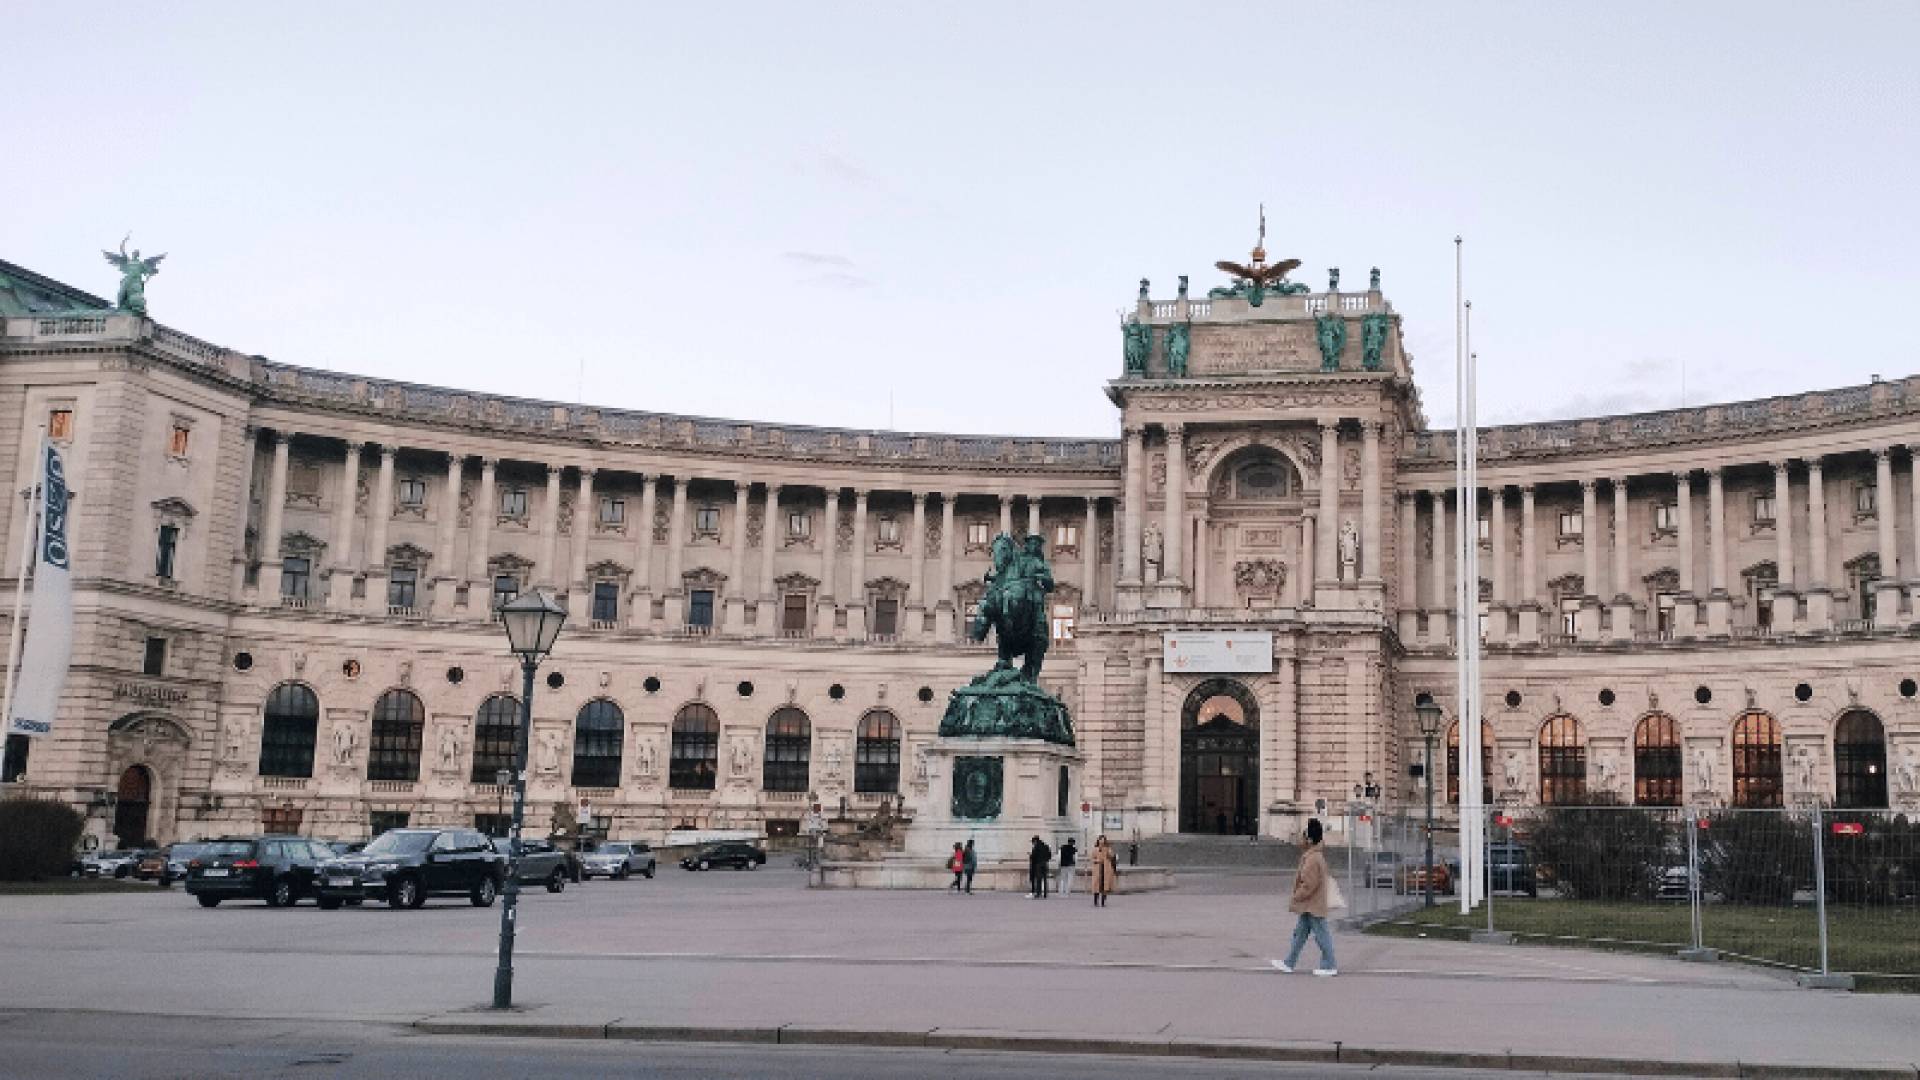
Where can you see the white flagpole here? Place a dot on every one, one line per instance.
(1471, 859)
(28, 533)
(1465, 534)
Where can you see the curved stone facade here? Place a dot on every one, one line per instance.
(764, 616)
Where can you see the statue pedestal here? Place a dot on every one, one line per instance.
(1000, 793)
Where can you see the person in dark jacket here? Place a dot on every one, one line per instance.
(1067, 855)
(1038, 859)
(970, 863)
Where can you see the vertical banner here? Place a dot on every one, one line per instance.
(49, 644)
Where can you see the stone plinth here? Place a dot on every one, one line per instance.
(1003, 831)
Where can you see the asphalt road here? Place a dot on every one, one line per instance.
(62, 1045)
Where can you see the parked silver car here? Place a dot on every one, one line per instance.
(617, 859)
(109, 864)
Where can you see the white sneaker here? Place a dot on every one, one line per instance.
(1282, 965)
(1328, 972)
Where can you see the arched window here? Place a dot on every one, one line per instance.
(1860, 762)
(789, 751)
(394, 751)
(496, 735)
(876, 753)
(696, 748)
(1563, 762)
(1656, 761)
(1756, 760)
(286, 738)
(1486, 763)
(598, 733)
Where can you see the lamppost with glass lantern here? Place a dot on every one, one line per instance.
(533, 622)
(1429, 715)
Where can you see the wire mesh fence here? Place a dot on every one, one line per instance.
(1809, 889)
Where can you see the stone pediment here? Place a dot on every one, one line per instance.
(408, 555)
(509, 563)
(606, 569)
(795, 582)
(173, 506)
(888, 587)
(703, 577)
(301, 543)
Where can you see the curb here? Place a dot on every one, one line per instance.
(1182, 1047)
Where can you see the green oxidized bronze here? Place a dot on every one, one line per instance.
(134, 272)
(1008, 702)
(1137, 341)
(1256, 279)
(1373, 339)
(978, 783)
(1178, 343)
(1331, 329)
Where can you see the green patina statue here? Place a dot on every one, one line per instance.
(1177, 345)
(134, 272)
(1137, 339)
(978, 785)
(1331, 329)
(1373, 339)
(1008, 701)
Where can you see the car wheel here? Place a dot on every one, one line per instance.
(405, 893)
(328, 903)
(484, 893)
(647, 873)
(705, 865)
(753, 864)
(122, 871)
(282, 894)
(208, 901)
(558, 881)
(620, 874)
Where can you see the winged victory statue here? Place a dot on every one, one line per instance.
(134, 272)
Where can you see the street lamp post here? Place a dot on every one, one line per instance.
(1429, 715)
(533, 622)
(501, 778)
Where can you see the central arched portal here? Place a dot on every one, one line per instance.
(133, 794)
(1220, 759)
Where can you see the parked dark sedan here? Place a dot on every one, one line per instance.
(277, 869)
(405, 866)
(734, 853)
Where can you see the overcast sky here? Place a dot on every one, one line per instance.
(929, 218)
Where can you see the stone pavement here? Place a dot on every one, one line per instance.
(757, 956)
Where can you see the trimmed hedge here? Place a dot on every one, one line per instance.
(37, 838)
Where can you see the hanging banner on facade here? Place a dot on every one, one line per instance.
(49, 641)
(1204, 652)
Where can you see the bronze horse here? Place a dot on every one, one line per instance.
(1014, 605)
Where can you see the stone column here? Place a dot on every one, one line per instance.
(584, 516)
(1686, 606)
(1173, 525)
(1033, 517)
(1886, 504)
(449, 535)
(857, 588)
(1370, 546)
(916, 622)
(1785, 608)
(1529, 569)
(1006, 513)
(486, 506)
(1327, 544)
(273, 518)
(340, 582)
(1302, 582)
(829, 547)
(1132, 518)
(1408, 549)
(675, 587)
(1441, 599)
(381, 512)
(1719, 604)
(1913, 567)
(1589, 541)
(1622, 565)
(641, 605)
(767, 618)
(737, 560)
(250, 442)
(545, 572)
(1819, 596)
(1090, 556)
(1498, 617)
(943, 618)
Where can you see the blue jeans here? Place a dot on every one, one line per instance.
(1323, 937)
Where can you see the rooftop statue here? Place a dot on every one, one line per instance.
(1256, 280)
(1138, 342)
(134, 272)
(1008, 702)
(1178, 345)
(1331, 330)
(1373, 338)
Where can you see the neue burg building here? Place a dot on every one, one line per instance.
(284, 583)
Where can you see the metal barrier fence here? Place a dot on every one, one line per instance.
(1379, 864)
(1814, 890)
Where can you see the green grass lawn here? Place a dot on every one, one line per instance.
(1883, 941)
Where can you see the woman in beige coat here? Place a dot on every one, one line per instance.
(1312, 889)
(1103, 871)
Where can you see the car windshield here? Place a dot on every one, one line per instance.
(614, 849)
(227, 849)
(399, 843)
(185, 851)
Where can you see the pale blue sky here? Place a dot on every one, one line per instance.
(799, 212)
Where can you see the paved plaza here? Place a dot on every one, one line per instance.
(758, 956)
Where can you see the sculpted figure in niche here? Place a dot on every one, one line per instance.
(1349, 550)
(1150, 549)
(645, 755)
(550, 752)
(1512, 771)
(1703, 762)
(343, 740)
(1909, 771)
(449, 749)
(742, 757)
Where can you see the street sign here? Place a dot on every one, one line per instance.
(1503, 821)
(1086, 807)
(1848, 828)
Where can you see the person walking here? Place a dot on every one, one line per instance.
(1312, 900)
(1038, 856)
(1104, 872)
(1067, 855)
(969, 863)
(957, 863)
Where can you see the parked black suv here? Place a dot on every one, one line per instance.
(277, 869)
(735, 853)
(405, 866)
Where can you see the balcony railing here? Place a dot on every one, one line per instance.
(403, 611)
(284, 783)
(604, 624)
(392, 787)
(297, 603)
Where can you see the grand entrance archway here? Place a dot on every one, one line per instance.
(1220, 760)
(134, 794)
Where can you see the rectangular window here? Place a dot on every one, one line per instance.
(1666, 518)
(413, 492)
(700, 608)
(1572, 524)
(379, 821)
(15, 765)
(169, 540)
(799, 525)
(1866, 500)
(403, 583)
(177, 441)
(493, 824)
(293, 577)
(1066, 536)
(155, 662)
(1485, 531)
(1061, 624)
(606, 601)
(60, 424)
(706, 521)
(1570, 616)
(513, 503)
(886, 616)
(1763, 608)
(281, 819)
(889, 529)
(613, 511)
(1763, 509)
(505, 588)
(793, 613)
(1663, 604)
(979, 533)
